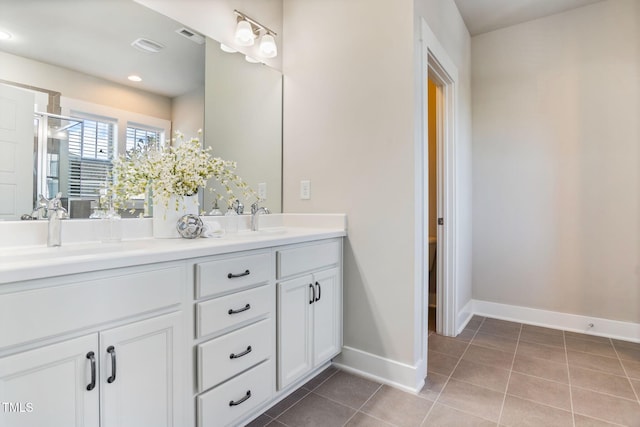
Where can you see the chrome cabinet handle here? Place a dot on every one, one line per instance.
(319, 292)
(92, 357)
(237, 402)
(239, 355)
(240, 310)
(233, 276)
(313, 293)
(112, 352)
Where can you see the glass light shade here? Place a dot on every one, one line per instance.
(5, 35)
(251, 59)
(244, 33)
(268, 47)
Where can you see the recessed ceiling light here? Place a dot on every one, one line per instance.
(147, 45)
(5, 35)
(135, 78)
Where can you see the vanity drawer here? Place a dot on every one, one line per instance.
(85, 300)
(225, 312)
(303, 259)
(249, 346)
(231, 274)
(236, 398)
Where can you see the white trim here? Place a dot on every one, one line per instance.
(380, 369)
(627, 331)
(464, 316)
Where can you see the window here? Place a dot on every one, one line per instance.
(140, 137)
(91, 150)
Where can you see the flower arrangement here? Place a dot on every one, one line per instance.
(179, 170)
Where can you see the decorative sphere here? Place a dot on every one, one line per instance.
(190, 226)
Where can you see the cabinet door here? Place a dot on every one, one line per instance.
(295, 298)
(48, 386)
(140, 379)
(327, 315)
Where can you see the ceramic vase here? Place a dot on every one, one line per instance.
(166, 215)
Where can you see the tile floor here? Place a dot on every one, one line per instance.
(495, 373)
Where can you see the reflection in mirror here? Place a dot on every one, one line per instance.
(82, 77)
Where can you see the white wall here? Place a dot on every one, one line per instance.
(556, 163)
(445, 22)
(73, 84)
(187, 112)
(349, 128)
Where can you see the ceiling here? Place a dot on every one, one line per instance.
(95, 36)
(482, 16)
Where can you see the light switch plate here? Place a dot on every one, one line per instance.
(305, 189)
(262, 191)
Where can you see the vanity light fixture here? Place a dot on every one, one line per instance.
(248, 29)
(5, 35)
(251, 59)
(227, 49)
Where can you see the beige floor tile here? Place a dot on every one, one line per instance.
(466, 335)
(534, 336)
(287, 402)
(262, 421)
(488, 356)
(475, 323)
(444, 416)
(582, 421)
(316, 411)
(500, 328)
(276, 423)
(524, 413)
(540, 351)
(592, 347)
(472, 399)
(348, 389)
(446, 345)
(627, 350)
(605, 407)
(363, 420)
(541, 368)
(320, 378)
(601, 382)
(598, 363)
(632, 368)
(433, 385)
(482, 375)
(594, 338)
(441, 363)
(540, 390)
(636, 386)
(493, 341)
(542, 330)
(397, 407)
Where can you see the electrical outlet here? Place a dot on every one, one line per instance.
(262, 191)
(305, 189)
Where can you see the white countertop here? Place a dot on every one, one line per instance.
(18, 263)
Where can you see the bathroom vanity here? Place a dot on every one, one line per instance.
(168, 332)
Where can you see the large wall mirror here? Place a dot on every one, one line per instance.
(66, 67)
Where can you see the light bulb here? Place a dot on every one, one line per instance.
(5, 35)
(244, 34)
(268, 47)
(227, 49)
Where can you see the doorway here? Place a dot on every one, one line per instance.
(433, 201)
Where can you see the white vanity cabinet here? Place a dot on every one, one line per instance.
(235, 336)
(95, 349)
(309, 294)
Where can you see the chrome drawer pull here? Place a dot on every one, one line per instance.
(237, 402)
(239, 355)
(233, 276)
(240, 310)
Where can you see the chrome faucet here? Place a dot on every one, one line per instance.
(39, 210)
(238, 207)
(55, 212)
(255, 213)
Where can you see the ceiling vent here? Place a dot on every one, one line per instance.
(147, 45)
(191, 35)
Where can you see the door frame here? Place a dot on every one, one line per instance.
(435, 63)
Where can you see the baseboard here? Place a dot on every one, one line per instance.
(463, 316)
(627, 331)
(380, 369)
